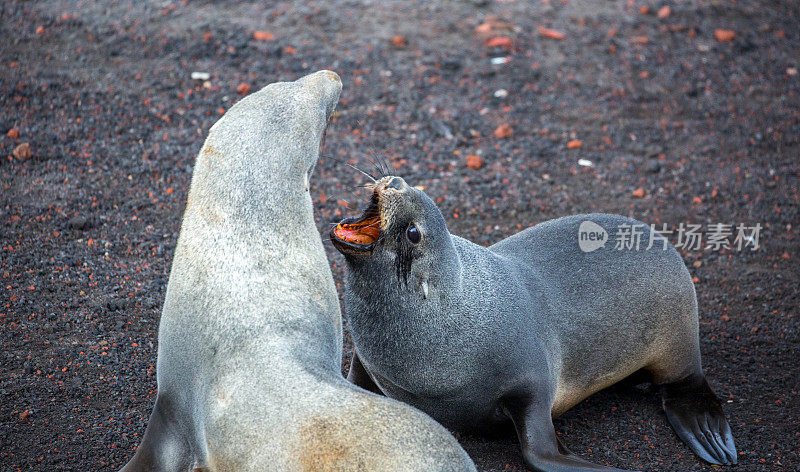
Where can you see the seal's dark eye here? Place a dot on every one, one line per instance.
(413, 234)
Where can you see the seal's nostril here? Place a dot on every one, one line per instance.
(396, 183)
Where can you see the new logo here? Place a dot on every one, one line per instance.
(591, 236)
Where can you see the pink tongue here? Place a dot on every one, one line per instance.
(365, 232)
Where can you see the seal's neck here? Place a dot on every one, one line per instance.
(248, 231)
(254, 189)
(442, 270)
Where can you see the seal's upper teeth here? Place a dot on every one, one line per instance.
(424, 284)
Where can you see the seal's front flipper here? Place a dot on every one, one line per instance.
(358, 375)
(165, 446)
(695, 413)
(541, 448)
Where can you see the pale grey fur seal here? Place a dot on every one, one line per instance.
(522, 330)
(250, 340)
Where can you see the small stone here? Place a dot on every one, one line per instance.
(441, 128)
(653, 150)
(574, 144)
(585, 163)
(22, 152)
(654, 166)
(724, 35)
(664, 12)
(263, 36)
(13, 133)
(451, 63)
(551, 33)
(400, 41)
(501, 93)
(474, 161)
(638, 193)
(243, 89)
(25, 415)
(78, 222)
(200, 75)
(503, 131)
(502, 42)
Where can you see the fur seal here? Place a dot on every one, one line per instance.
(250, 339)
(524, 329)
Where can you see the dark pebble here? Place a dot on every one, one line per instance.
(451, 63)
(78, 222)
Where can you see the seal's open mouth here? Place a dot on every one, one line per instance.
(358, 234)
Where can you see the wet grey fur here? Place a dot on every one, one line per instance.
(524, 329)
(250, 339)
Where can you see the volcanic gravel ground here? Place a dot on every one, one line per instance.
(682, 123)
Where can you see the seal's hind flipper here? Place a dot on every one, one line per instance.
(695, 413)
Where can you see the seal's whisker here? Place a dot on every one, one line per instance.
(363, 172)
(373, 179)
(342, 161)
(386, 167)
(383, 164)
(371, 186)
(368, 186)
(378, 164)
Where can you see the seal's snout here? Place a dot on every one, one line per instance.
(325, 85)
(327, 79)
(396, 183)
(359, 235)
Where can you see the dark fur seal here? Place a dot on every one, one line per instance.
(524, 329)
(250, 340)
